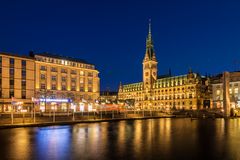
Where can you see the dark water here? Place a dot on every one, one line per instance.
(139, 139)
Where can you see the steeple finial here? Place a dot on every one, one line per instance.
(149, 27)
(149, 30)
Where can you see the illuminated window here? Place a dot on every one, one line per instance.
(218, 92)
(81, 80)
(236, 90)
(81, 73)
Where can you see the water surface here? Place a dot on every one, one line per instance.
(137, 139)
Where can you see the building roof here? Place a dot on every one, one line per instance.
(16, 55)
(73, 59)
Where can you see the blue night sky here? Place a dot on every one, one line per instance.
(203, 35)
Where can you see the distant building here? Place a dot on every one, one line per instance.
(59, 77)
(108, 97)
(234, 90)
(16, 82)
(189, 91)
(47, 81)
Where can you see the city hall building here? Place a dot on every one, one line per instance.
(47, 82)
(189, 91)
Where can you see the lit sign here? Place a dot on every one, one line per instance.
(54, 100)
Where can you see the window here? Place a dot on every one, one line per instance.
(53, 86)
(24, 74)
(23, 64)
(73, 80)
(43, 86)
(11, 62)
(63, 79)
(89, 81)
(236, 90)
(81, 80)
(23, 94)
(190, 95)
(73, 88)
(81, 89)
(63, 70)
(90, 74)
(53, 69)
(11, 72)
(42, 76)
(218, 92)
(81, 73)
(43, 68)
(63, 87)
(89, 89)
(54, 78)
(11, 93)
(73, 72)
(23, 84)
(11, 83)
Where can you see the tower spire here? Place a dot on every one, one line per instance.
(150, 53)
(149, 28)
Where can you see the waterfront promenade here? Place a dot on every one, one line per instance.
(46, 119)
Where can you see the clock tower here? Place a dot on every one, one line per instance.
(149, 63)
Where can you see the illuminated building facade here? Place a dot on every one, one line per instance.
(60, 77)
(234, 90)
(16, 81)
(190, 91)
(108, 97)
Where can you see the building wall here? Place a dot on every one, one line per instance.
(22, 87)
(234, 91)
(66, 81)
(25, 77)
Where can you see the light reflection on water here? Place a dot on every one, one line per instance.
(139, 139)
